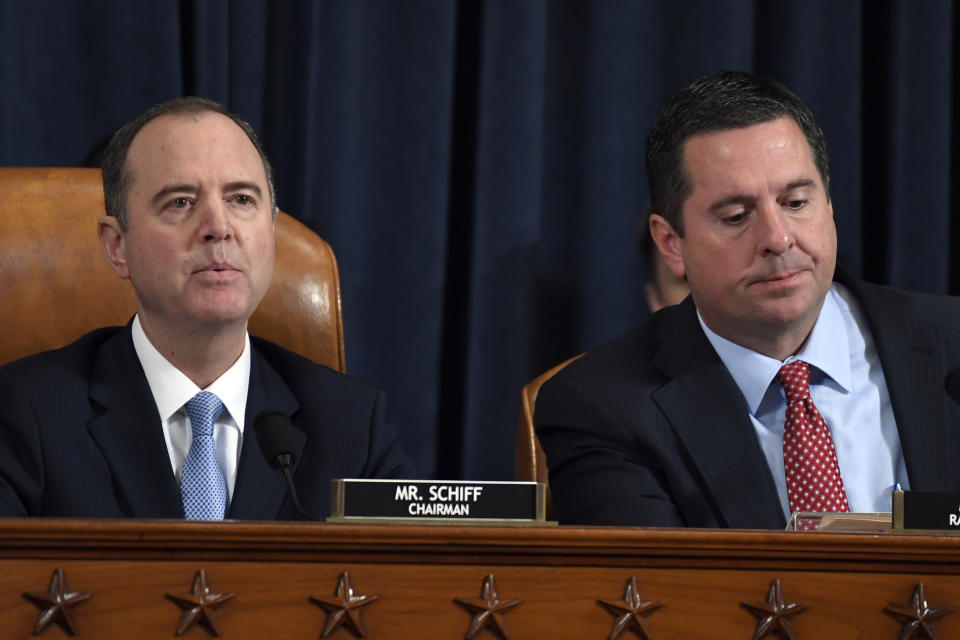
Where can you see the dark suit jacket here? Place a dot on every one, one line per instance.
(651, 429)
(80, 435)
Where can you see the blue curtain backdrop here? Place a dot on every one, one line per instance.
(478, 166)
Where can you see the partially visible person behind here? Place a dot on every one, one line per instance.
(154, 419)
(781, 384)
(663, 288)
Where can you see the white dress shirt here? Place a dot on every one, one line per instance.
(847, 386)
(172, 389)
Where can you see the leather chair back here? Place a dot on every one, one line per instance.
(56, 284)
(529, 461)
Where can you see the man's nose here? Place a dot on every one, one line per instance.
(214, 221)
(775, 233)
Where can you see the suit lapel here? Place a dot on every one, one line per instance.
(260, 489)
(706, 409)
(129, 434)
(912, 352)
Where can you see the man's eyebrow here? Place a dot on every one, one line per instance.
(739, 198)
(799, 184)
(242, 185)
(239, 185)
(173, 188)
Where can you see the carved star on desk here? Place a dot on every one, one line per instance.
(918, 619)
(774, 615)
(56, 604)
(630, 612)
(343, 609)
(200, 605)
(488, 610)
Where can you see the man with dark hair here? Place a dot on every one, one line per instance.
(154, 419)
(781, 384)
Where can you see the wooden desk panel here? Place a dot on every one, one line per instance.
(559, 573)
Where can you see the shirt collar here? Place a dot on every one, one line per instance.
(826, 348)
(171, 389)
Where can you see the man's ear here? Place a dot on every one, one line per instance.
(669, 243)
(112, 242)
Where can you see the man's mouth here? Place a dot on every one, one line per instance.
(785, 275)
(782, 278)
(217, 272)
(216, 267)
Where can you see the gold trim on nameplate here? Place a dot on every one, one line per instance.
(898, 510)
(445, 522)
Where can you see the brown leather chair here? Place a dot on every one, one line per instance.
(529, 461)
(56, 285)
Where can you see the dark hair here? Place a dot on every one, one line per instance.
(116, 173)
(722, 100)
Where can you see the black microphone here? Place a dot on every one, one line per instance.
(952, 384)
(278, 440)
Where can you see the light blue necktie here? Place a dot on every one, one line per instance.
(202, 487)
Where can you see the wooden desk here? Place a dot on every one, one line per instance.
(702, 577)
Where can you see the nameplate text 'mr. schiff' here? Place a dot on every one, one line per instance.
(437, 500)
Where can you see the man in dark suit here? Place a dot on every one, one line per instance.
(155, 419)
(775, 387)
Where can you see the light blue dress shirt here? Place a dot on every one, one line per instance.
(848, 388)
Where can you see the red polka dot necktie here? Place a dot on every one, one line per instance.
(809, 458)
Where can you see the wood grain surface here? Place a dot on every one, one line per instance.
(559, 573)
